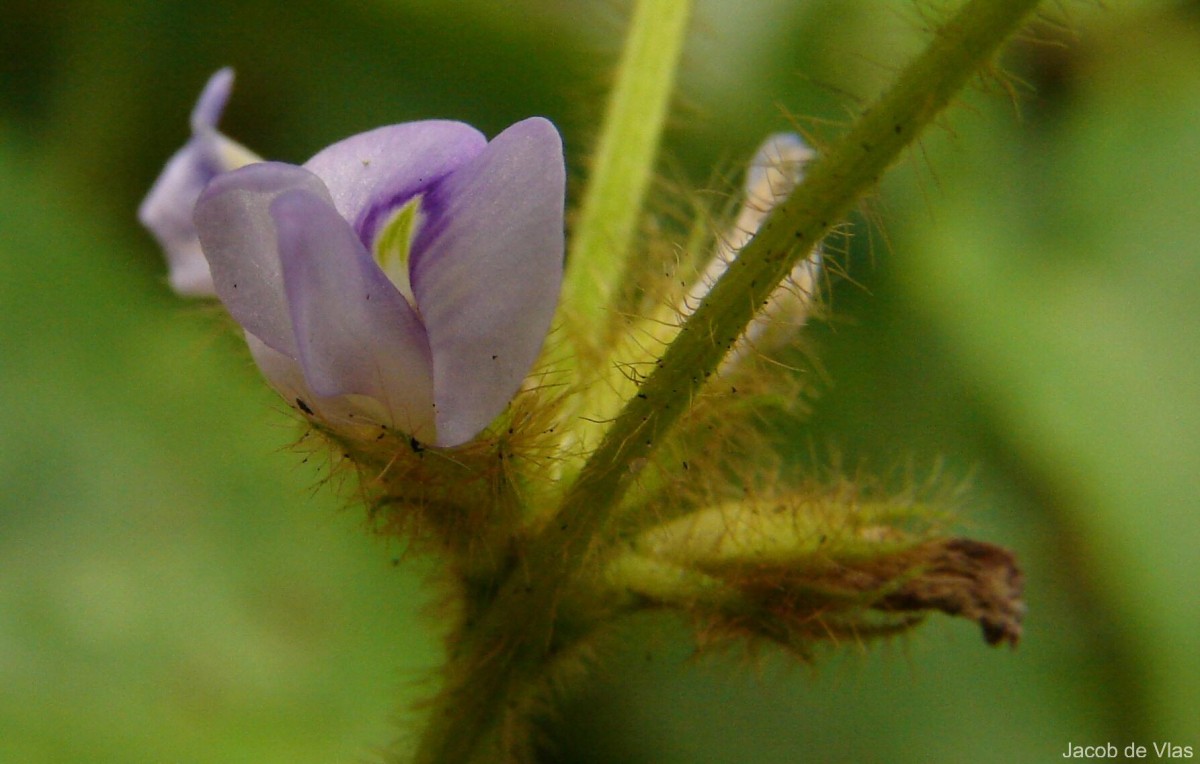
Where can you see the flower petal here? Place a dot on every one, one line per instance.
(167, 209)
(285, 375)
(776, 168)
(211, 103)
(345, 413)
(774, 171)
(355, 333)
(372, 173)
(237, 232)
(167, 213)
(486, 272)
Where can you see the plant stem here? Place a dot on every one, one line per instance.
(624, 160)
(833, 183)
(493, 658)
(509, 643)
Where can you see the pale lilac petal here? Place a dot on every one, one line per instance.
(370, 174)
(167, 213)
(167, 209)
(775, 168)
(486, 271)
(211, 103)
(774, 171)
(346, 413)
(354, 331)
(237, 233)
(283, 372)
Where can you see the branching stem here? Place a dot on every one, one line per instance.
(508, 643)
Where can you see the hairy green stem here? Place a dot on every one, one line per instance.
(833, 184)
(506, 650)
(624, 160)
(494, 660)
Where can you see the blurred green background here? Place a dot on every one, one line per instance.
(175, 587)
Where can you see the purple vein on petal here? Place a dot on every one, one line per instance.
(488, 279)
(373, 173)
(374, 217)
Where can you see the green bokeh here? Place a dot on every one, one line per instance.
(176, 585)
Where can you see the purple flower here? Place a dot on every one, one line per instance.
(403, 277)
(167, 209)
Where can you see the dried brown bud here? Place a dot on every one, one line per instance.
(965, 578)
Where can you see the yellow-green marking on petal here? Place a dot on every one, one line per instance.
(393, 246)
